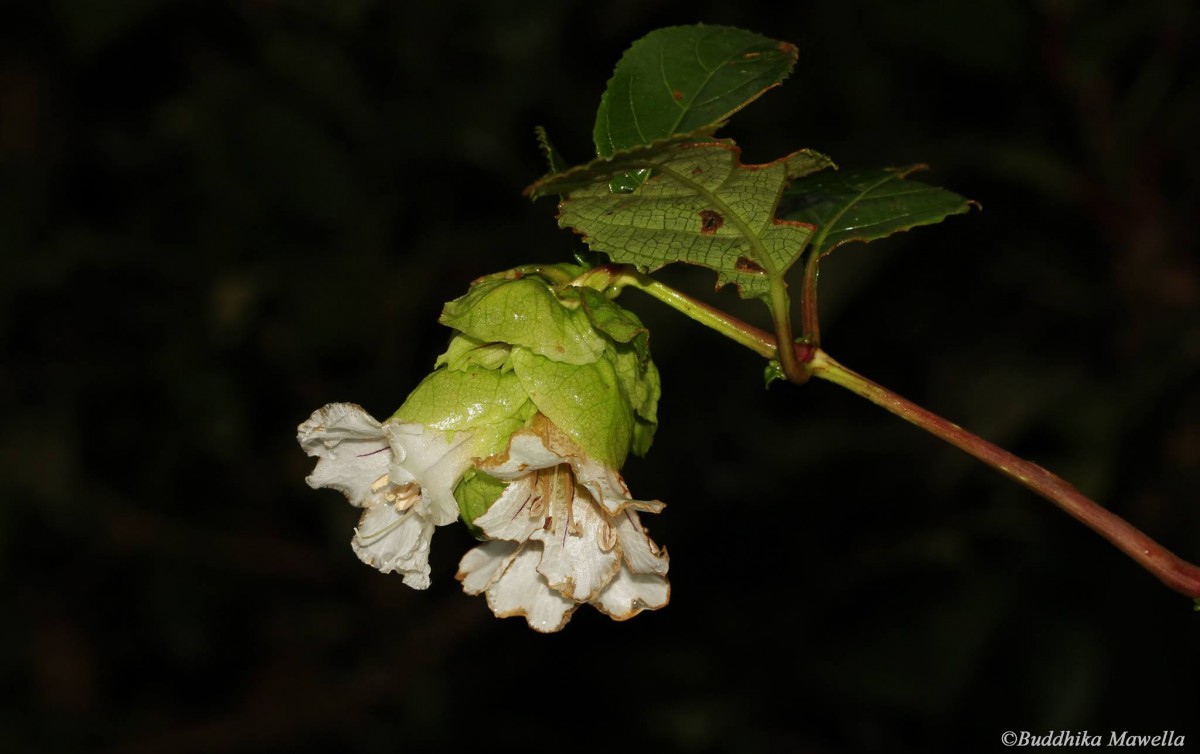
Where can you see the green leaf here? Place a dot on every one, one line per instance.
(772, 372)
(701, 206)
(866, 205)
(525, 312)
(490, 403)
(475, 493)
(585, 400)
(682, 78)
(553, 158)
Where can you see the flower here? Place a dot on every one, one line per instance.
(403, 475)
(565, 532)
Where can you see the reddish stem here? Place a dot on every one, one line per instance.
(1180, 575)
(1172, 570)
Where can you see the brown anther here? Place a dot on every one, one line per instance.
(404, 496)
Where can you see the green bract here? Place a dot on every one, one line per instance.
(475, 493)
(525, 346)
(525, 312)
(489, 402)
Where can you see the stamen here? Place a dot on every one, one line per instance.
(404, 496)
(537, 498)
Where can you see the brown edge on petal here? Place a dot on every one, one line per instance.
(637, 610)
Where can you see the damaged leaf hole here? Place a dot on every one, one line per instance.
(745, 264)
(710, 221)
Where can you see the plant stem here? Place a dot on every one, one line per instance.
(810, 327)
(1176, 573)
(762, 343)
(781, 313)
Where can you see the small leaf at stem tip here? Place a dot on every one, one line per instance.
(773, 372)
(553, 158)
(680, 78)
(866, 205)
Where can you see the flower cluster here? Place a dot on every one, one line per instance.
(520, 432)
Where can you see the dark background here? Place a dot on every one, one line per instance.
(219, 216)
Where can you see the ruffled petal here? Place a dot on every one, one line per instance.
(544, 446)
(351, 449)
(480, 566)
(432, 458)
(520, 590)
(526, 452)
(393, 540)
(512, 516)
(579, 555)
(641, 554)
(630, 593)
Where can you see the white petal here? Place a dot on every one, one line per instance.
(393, 541)
(481, 564)
(526, 452)
(641, 554)
(630, 593)
(521, 590)
(352, 451)
(510, 517)
(434, 459)
(578, 556)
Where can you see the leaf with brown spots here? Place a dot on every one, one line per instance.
(700, 205)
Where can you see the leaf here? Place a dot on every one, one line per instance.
(682, 78)
(701, 206)
(553, 158)
(866, 205)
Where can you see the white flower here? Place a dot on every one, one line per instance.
(403, 475)
(566, 532)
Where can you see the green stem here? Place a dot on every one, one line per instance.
(550, 272)
(1173, 571)
(781, 313)
(762, 343)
